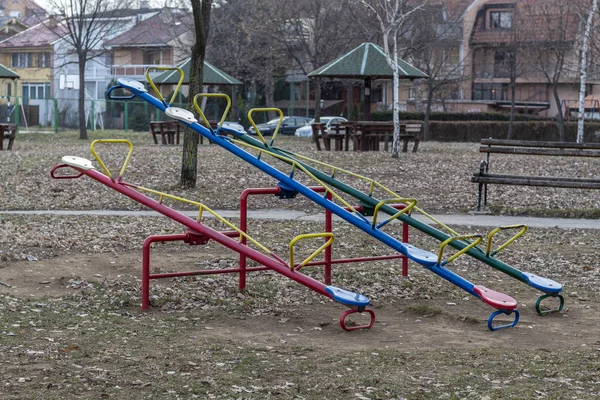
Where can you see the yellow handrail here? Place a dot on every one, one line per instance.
(277, 110)
(315, 253)
(202, 207)
(489, 253)
(151, 82)
(201, 113)
(411, 203)
(299, 166)
(461, 252)
(97, 157)
(372, 185)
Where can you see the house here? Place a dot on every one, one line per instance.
(161, 40)
(10, 26)
(504, 41)
(27, 11)
(30, 54)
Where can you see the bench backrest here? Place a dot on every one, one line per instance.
(540, 148)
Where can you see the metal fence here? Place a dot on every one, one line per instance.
(58, 114)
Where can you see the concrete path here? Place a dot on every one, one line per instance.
(279, 214)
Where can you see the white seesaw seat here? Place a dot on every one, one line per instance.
(181, 114)
(79, 162)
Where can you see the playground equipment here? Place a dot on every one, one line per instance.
(331, 201)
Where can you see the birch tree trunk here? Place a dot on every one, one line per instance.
(583, 70)
(396, 107)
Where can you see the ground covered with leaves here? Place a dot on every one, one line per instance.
(71, 324)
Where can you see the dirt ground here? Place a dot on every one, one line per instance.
(71, 325)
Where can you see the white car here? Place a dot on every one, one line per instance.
(306, 130)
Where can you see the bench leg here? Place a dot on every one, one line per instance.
(416, 145)
(405, 146)
(479, 197)
(10, 143)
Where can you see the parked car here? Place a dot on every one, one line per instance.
(288, 126)
(306, 131)
(234, 126)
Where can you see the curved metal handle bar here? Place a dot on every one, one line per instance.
(354, 328)
(411, 203)
(118, 97)
(59, 166)
(538, 303)
(478, 239)
(151, 82)
(315, 253)
(275, 132)
(201, 113)
(489, 253)
(124, 167)
(498, 312)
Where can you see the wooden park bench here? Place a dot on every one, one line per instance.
(7, 131)
(168, 131)
(320, 133)
(523, 147)
(410, 132)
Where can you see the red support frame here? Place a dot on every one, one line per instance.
(328, 261)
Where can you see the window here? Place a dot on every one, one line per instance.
(412, 93)
(36, 91)
(43, 60)
(15, 14)
(22, 60)
(500, 20)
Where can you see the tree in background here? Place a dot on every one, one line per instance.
(551, 28)
(392, 17)
(189, 163)
(585, 47)
(433, 44)
(84, 25)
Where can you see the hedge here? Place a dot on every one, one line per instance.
(474, 131)
(448, 116)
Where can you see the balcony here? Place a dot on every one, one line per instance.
(134, 71)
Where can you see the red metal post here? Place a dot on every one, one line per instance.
(146, 262)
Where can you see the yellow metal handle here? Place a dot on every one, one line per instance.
(490, 253)
(151, 82)
(196, 97)
(410, 204)
(277, 110)
(315, 253)
(478, 240)
(124, 167)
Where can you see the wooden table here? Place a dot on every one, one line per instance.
(7, 131)
(168, 130)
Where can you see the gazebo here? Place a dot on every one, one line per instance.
(211, 76)
(7, 73)
(366, 62)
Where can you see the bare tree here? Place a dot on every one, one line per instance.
(201, 15)
(83, 25)
(314, 32)
(433, 45)
(552, 27)
(392, 16)
(583, 68)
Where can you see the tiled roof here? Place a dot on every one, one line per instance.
(367, 60)
(157, 30)
(211, 75)
(7, 73)
(36, 36)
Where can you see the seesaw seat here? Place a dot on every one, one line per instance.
(348, 298)
(421, 256)
(495, 299)
(78, 162)
(544, 284)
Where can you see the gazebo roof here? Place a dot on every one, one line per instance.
(7, 73)
(211, 75)
(366, 61)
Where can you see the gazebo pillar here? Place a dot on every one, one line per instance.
(367, 102)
